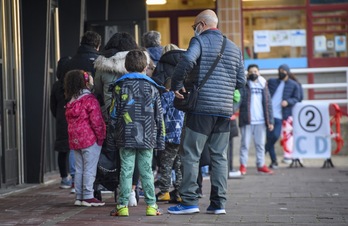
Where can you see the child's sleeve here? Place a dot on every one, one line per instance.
(236, 100)
(97, 121)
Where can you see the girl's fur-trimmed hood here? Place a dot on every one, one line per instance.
(114, 64)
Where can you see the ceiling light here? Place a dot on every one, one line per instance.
(156, 2)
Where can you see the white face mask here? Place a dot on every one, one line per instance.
(197, 32)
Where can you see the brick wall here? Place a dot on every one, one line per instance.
(230, 19)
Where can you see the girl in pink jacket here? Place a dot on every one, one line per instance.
(87, 131)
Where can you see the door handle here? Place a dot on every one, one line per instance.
(10, 107)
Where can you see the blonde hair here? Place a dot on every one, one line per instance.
(169, 47)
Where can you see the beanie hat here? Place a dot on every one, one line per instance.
(285, 67)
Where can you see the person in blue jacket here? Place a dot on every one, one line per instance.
(209, 123)
(285, 93)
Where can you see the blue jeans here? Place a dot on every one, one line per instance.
(86, 161)
(72, 165)
(272, 138)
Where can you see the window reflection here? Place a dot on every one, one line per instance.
(330, 33)
(274, 34)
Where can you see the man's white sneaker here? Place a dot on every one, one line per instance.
(287, 161)
(235, 174)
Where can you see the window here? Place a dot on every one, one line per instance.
(274, 34)
(330, 29)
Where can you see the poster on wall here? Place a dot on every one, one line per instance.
(298, 38)
(340, 43)
(261, 44)
(319, 43)
(279, 38)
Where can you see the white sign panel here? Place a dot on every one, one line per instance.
(298, 38)
(340, 43)
(261, 44)
(320, 43)
(311, 130)
(279, 38)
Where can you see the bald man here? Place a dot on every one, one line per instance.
(207, 124)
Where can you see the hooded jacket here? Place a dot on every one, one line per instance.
(244, 108)
(136, 115)
(166, 65)
(108, 70)
(85, 122)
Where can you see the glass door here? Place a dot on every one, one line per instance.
(161, 25)
(185, 31)
(11, 153)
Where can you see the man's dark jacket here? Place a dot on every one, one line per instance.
(291, 94)
(84, 59)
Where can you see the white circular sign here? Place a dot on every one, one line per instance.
(310, 118)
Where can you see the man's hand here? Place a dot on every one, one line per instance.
(178, 94)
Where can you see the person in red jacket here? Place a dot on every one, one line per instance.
(87, 131)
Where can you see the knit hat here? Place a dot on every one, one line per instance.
(285, 67)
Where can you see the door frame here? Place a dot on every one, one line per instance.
(12, 86)
(173, 16)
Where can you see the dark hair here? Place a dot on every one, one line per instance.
(74, 82)
(91, 38)
(152, 39)
(122, 41)
(293, 77)
(253, 65)
(136, 61)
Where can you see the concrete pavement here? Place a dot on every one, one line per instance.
(292, 196)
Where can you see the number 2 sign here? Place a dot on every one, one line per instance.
(310, 118)
(311, 129)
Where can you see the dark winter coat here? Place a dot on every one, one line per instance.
(166, 65)
(291, 94)
(57, 106)
(216, 96)
(244, 108)
(84, 59)
(155, 53)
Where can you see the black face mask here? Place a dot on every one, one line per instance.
(252, 77)
(282, 75)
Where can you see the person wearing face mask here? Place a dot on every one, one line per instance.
(285, 93)
(287, 129)
(255, 115)
(209, 122)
